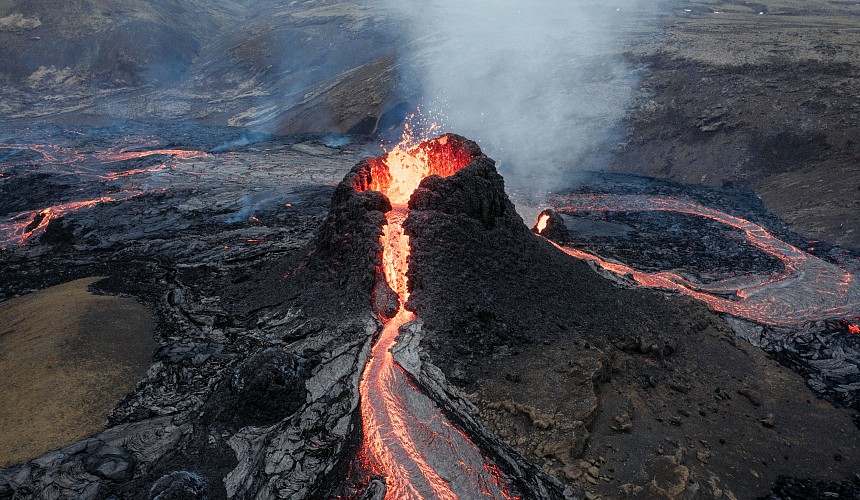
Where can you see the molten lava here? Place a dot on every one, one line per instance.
(542, 222)
(85, 167)
(398, 173)
(407, 439)
(32, 223)
(809, 289)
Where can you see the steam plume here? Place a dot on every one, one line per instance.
(539, 84)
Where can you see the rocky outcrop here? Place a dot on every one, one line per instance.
(476, 192)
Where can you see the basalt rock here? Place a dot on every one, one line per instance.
(253, 391)
(180, 485)
(348, 241)
(788, 488)
(495, 298)
(476, 192)
(264, 389)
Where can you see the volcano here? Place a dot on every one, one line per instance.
(406, 335)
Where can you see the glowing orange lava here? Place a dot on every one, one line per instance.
(29, 224)
(401, 170)
(84, 166)
(854, 328)
(809, 289)
(67, 160)
(542, 222)
(407, 439)
(181, 154)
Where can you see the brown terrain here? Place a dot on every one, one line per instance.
(67, 357)
(665, 415)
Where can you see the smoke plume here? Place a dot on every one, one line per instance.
(540, 85)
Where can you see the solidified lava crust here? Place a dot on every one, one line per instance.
(559, 360)
(553, 372)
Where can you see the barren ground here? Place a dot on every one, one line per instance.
(615, 391)
(761, 95)
(67, 357)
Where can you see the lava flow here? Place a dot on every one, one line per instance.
(407, 439)
(32, 223)
(809, 289)
(85, 168)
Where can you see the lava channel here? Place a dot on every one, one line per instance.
(809, 289)
(407, 438)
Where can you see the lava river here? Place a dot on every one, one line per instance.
(808, 289)
(407, 439)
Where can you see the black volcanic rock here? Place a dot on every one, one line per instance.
(788, 488)
(340, 261)
(254, 390)
(348, 241)
(495, 298)
(179, 485)
(264, 389)
(356, 216)
(471, 248)
(59, 231)
(110, 462)
(477, 191)
(475, 261)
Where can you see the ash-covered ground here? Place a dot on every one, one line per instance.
(261, 276)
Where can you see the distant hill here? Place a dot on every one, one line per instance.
(267, 64)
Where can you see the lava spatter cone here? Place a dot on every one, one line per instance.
(406, 437)
(550, 224)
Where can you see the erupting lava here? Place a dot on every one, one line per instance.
(542, 222)
(407, 439)
(809, 289)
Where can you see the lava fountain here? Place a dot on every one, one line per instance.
(407, 439)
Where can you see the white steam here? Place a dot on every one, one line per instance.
(539, 84)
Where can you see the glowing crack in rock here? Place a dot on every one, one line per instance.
(808, 289)
(85, 167)
(407, 439)
(26, 225)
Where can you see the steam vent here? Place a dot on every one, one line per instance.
(406, 335)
